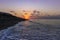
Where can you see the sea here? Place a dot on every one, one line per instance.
(34, 29)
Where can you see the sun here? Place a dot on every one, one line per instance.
(26, 16)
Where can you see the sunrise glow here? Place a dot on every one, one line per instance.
(26, 16)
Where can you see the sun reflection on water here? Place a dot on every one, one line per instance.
(26, 23)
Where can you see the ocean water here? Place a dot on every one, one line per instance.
(36, 29)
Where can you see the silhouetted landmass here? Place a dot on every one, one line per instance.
(7, 20)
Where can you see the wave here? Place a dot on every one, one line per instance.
(31, 31)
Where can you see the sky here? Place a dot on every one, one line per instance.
(46, 5)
